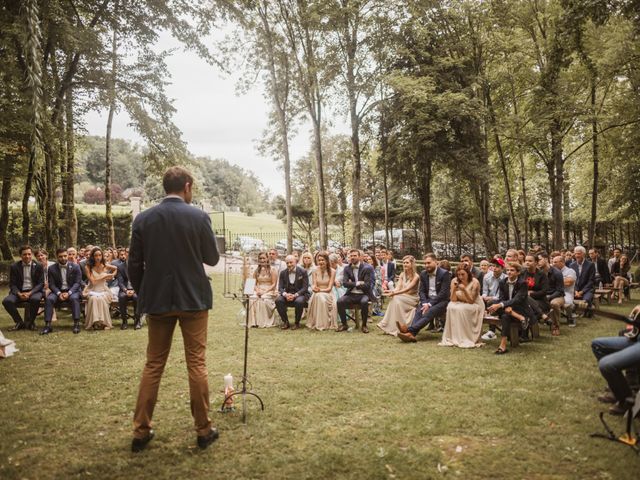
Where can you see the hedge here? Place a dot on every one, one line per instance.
(92, 228)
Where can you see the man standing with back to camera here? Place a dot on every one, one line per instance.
(169, 244)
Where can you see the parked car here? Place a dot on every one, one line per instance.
(248, 244)
(281, 245)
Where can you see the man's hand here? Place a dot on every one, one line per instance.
(130, 293)
(315, 289)
(578, 294)
(64, 296)
(493, 308)
(425, 308)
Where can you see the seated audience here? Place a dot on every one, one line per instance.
(65, 279)
(262, 303)
(465, 312)
(620, 272)
(555, 291)
(602, 275)
(435, 283)
(126, 293)
(513, 303)
(584, 279)
(615, 355)
(357, 278)
(569, 281)
(275, 262)
(537, 286)
(72, 255)
(97, 292)
(376, 288)
(468, 261)
(404, 298)
(26, 285)
(293, 288)
(323, 310)
(615, 256)
(484, 270)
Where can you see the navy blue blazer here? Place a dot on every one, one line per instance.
(169, 245)
(123, 276)
(584, 282)
(391, 271)
(518, 299)
(443, 287)
(299, 287)
(16, 277)
(366, 274)
(74, 278)
(555, 284)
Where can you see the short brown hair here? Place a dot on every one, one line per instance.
(175, 179)
(430, 255)
(515, 265)
(23, 248)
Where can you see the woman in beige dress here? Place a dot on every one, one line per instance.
(97, 291)
(262, 303)
(404, 298)
(465, 312)
(323, 310)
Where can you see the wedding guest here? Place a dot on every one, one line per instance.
(491, 290)
(568, 258)
(323, 309)
(262, 303)
(404, 298)
(615, 256)
(43, 257)
(72, 255)
(555, 291)
(434, 291)
(484, 270)
(444, 264)
(584, 282)
(468, 261)
(357, 279)
(126, 293)
(602, 275)
(109, 259)
(537, 286)
(521, 257)
(97, 292)
(511, 256)
(336, 264)
(275, 262)
(465, 312)
(513, 303)
(293, 287)
(26, 284)
(376, 303)
(306, 262)
(620, 272)
(569, 282)
(64, 281)
(391, 269)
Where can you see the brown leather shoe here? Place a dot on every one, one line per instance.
(365, 329)
(607, 398)
(407, 337)
(295, 326)
(617, 410)
(342, 328)
(285, 327)
(402, 327)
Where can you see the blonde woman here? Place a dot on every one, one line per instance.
(262, 303)
(322, 312)
(404, 298)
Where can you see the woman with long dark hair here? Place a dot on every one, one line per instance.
(97, 291)
(620, 272)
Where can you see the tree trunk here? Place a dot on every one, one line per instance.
(595, 154)
(384, 150)
(107, 158)
(7, 176)
(28, 186)
(71, 220)
(351, 45)
(424, 195)
(557, 186)
(322, 219)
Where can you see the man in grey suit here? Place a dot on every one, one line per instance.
(169, 244)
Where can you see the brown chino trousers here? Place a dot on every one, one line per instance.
(194, 333)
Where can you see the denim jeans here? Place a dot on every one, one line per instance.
(614, 355)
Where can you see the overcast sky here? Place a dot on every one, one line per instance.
(214, 120)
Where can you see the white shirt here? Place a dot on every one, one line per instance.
(569, 291)
(491, 284)
(356, 271)
(292, 277)
(63, 274)
(27, 283)
(432, 285)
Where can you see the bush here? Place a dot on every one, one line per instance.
(92, 228)
(96, 195)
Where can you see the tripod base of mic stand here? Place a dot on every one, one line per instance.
(244, 394)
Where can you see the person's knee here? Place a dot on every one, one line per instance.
(7, 301)
(607, 366)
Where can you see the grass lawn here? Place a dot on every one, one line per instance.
(337, 406)
(238, 222)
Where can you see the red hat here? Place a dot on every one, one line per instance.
(497, 261)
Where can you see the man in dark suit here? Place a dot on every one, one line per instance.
(585, 272)
(26, 284)
(601, 274)
(293, 286)
(65, 279)
(391, 266)
(513, 295)
(357, 279)
(126, 293)
(434, 291)
(169, 244)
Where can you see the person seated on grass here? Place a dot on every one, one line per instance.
(554, 293)
(465, 312)
(602, 275)
(434, 292)
(513, 303)
(65, 279)
(491, 290)
(620, 272)
(293, 288)
(569, 281)
(585, 272)
(26, 285)
(615, 355)
(403, 299)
